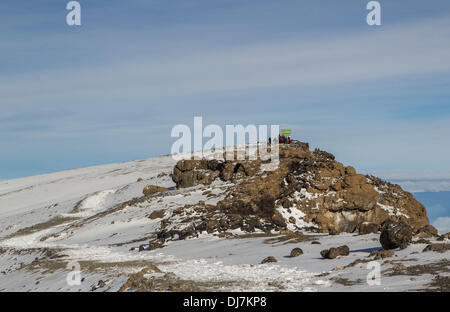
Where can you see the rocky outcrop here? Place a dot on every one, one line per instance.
(308, 191)
(191, 172)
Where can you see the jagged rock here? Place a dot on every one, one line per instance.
(333, 253)
(190, 172)
(296, 252)
(426, 231)
(439, 247)
(269, 260)
(152, 189)
(331, 196)
(395, 235)
(159, 243)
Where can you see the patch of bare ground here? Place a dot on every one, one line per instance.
(160, 281)
(356, 262)
(78, 222)
(289, 237)
(441, 266)
(51, 265)
(137, 240)
(58, 220)
(439, 284)
(439, 247)
(345, 281)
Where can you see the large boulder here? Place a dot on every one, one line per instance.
(269, 259)
(333, 252)
(395, 235)
(296, 252)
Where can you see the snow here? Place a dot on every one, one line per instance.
(97, 227)
(392, 211)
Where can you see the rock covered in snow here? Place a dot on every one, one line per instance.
(308, 191)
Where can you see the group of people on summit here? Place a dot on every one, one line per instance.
(282, 139)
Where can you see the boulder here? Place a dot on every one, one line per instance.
(278, 219)
(269, 260)
(157, 214)
(296, 252)
(333, 252)
(152, 189)
(395, 235)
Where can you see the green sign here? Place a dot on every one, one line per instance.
(286, 132)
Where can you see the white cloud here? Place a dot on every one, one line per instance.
(404, 50)
(442, 224)
(424, 185)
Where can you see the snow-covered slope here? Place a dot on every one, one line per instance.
(97, 217)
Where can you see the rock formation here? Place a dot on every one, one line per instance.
(310, 190)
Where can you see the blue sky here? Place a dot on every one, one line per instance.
(112, 89)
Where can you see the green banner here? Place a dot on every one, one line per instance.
(286, 132)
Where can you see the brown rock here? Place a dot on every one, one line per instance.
(152, 189)
(355, 205)
(296, 252)
(349, 170)
(269, 260)
(333, 253)
(427, 231)
(395, 235)
(157, 214)
(278, 219)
